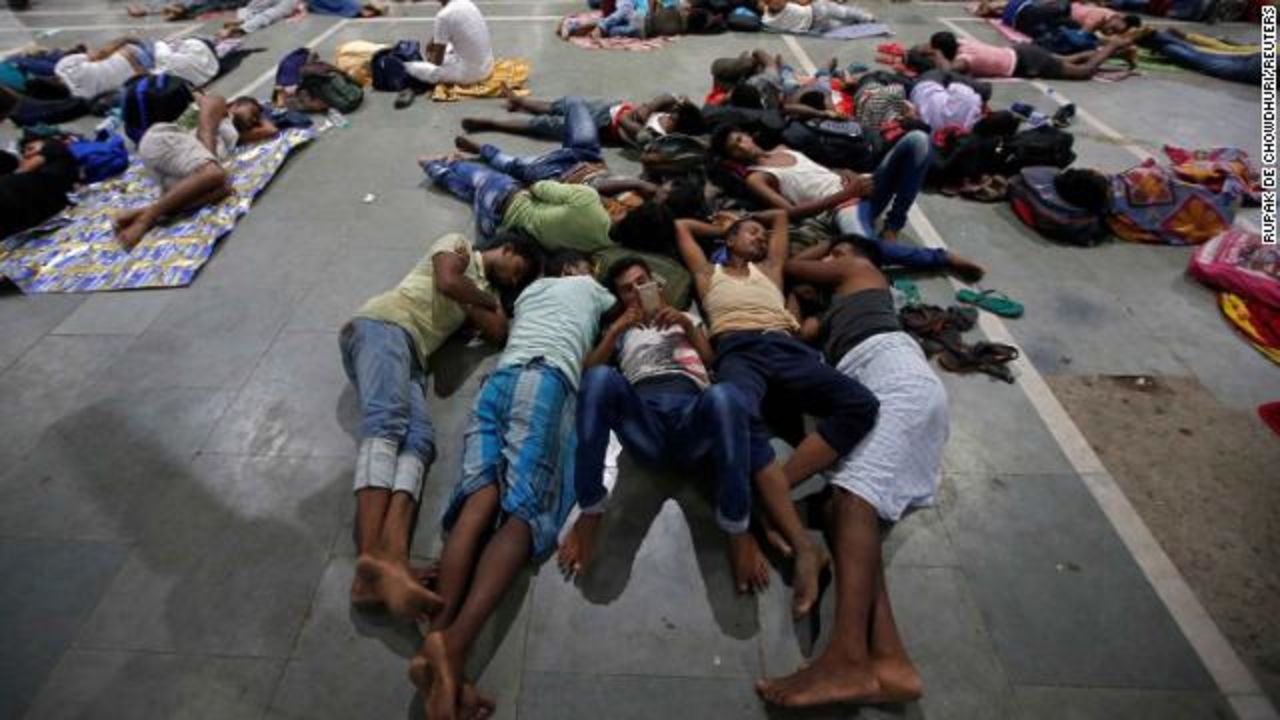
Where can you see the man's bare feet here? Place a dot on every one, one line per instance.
(476, 125)
(433, 673)
(824, 682)
(398, 589)
(509, 98)
(774, 537)
(579, 545)
(899, 680)
(130, 227)
(750, 571)
(964, 268)
(472, 705)
(466, 144)
(810, 561)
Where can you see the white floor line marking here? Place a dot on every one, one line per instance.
(36, 30)
(1233, 678)
(432, 18)
(271, 73)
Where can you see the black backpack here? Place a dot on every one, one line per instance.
(1042, 146)
(329, 85)
(388, 69)
(674, 156)
(149, 99)
(833, 143)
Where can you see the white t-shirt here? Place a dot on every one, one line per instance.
(647, 352)
(792, 18)
(190, 59)
(88, 79)
(461, 26)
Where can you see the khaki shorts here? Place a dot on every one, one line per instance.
(172, 153)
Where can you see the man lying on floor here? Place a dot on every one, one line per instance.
(1024, 60)
(187, 156)
(617, 122)
(36, 189)
(1037, 17)
(386, 348)
(516, 487)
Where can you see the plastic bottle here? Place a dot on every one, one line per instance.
(111, 123)
(337, 119)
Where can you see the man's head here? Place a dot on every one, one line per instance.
(245, 112)
(746, 96)
(1117, 24)
(945, 43)
(920, 58)
(1086, 189)
(625, 276)
(568, 263)
(515, 261)
(747, 240)
(853, 246)
(685, 119)
(734, 143)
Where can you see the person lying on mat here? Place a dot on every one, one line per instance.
(37, 188)
(187, 157)
(806, 16)
(1024, 60)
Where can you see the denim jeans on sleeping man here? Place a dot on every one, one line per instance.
(623, 21)
(666, 421)
(485, 188)
(1237, 68)
(580, 143)
(380, 359)
(552, 125)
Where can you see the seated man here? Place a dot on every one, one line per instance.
(616, 121)
(665, 411)
(893, 469)
(788, 180)
(516, 486)
(37, 188)
(188, 161)
(559, 216)
(88, 75)
(460, 51)
(1024, 60)
(810, 16)
(385, 350)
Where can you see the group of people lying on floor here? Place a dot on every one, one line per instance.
(253, 15)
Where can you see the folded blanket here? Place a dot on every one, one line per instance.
(512, 73)
(77, 250)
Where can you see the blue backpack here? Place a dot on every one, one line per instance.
(388, 69)
(149, 99)
(103, 157)
(1067, 41)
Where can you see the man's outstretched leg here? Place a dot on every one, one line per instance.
(899, 680)
(844, 673)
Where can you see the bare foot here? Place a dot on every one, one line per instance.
(474, 706)
(509, 97)
(466, 144)
(809, 564)
(130, 226)
(824, 682)
(775, 538)
(579, 545)
(475, 125)
(899, 681)
(436, 677)
(363, 596)
(399, 590)
(964, 268)
(750, 571)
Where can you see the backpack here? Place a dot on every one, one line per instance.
(103, 157)
(744, 20)
(833, 143)
(1237, 261)
(1042, 146)
(1037, 204)
(326, 83)
(149, 99)
(289, 70)
(388, 69)
(674, 155)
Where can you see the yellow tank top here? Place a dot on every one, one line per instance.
(753, 302)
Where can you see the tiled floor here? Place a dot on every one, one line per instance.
(174, 475)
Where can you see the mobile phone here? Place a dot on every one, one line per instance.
(649, 298)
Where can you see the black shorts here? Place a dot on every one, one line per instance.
(1036, 62)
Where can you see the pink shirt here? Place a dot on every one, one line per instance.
(987, 60)
(1091, 17)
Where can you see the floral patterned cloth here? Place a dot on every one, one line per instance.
(77, 251)
(1213, 167)
(1150, 204)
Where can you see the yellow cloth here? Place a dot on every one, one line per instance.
(751, 303)
(1220, 47)
(429, 317)
(1237, 311)
(355, 58)
(512, 72)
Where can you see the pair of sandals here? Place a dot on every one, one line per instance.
(940, 332)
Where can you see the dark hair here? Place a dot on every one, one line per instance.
(918, 60)
(861, 247)
(720, 139)
(814, 98)
(247, 100)
(557, 263)
(746, 96)
(1001, 123)
(688, 119)
(648, 228)
(1132, 21)
(1086, 189)
(738, 225)
(945, 43)
(523, 246)
(621, 266)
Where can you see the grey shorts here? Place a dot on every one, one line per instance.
(173, 153)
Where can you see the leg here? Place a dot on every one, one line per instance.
(1083, 68)
(486, 189)
(207, 185)
(1237, 68)
(899, 178)
(539, 126)
(899, 680)
(533, 106)
(844, 672)
(810, 559)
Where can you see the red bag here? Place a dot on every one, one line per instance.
(1238, 262)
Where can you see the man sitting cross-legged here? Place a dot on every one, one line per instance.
(517, 463)
(661, 403)
(385, 349)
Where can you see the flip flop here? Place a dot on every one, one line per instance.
(992, 301)
(909, 290)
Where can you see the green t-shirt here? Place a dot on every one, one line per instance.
(560, 217)
(429, 317)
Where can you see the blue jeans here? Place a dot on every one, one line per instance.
(581, 143)
(1236, 68)
(552, 126)
(381, 360)
(666, 422)
(623, 22)
(38, 64)
(898, 179)
(485, 188)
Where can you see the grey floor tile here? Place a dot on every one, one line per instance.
(1059, 703)
(47, 590)
(26, 319)
(174, 359)
(995, 429)
(93, 684)
(99, 472)
(564, 696)
(214, 312)
(291, 403)
(354, 276)
(228, 560)
(919, 540)
(1043, 565)
(660, 587)
(117, 313)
